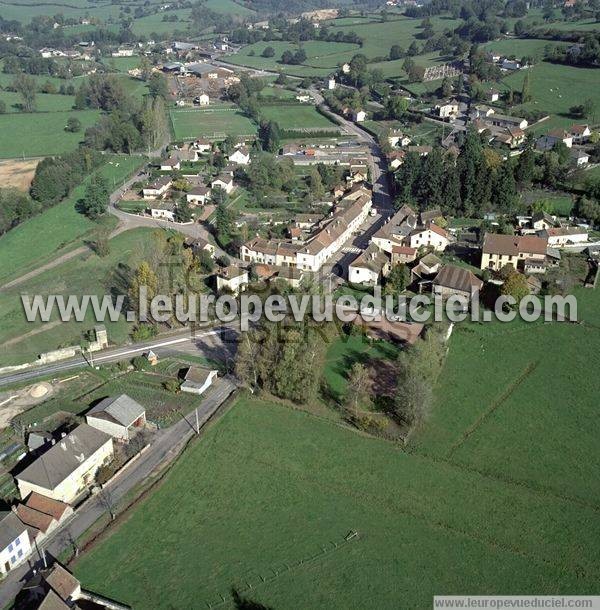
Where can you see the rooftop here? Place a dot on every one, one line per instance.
(64, 458)
(121, 410)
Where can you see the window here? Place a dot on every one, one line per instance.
(20, 553)
(13, 559)
(17, 542)
(10, 547)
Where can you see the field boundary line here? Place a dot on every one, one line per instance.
(529, 369)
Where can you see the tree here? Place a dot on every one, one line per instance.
(526, 89)
(413, 49)
(358, 389)
(95, 198)
(183, 211)
(315, 183)
(205, 262)
(397, 280)
(144, 279)
(268, 52)
(2, 106)
(157, 86)
(26, 87)
(396, 52)
(515, 285)
(73, 125)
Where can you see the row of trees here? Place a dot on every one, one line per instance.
(478, 180)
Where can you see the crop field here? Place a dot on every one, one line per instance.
(63, 228)
(41, 134)
(268, 501)
(298, 116)
(215, 121)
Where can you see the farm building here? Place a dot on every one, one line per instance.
(117, 416)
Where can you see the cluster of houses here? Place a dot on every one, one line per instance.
(326, 237)
(354, 157)
(158, 192)
(406, 235)
(64, 469)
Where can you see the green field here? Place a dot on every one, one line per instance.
(41, 134)
(298, 116)
(554, 89)
(215, 121)
(267, 499)
(45, 102)
(322, 56)
(84, 275)
(154, 24)
(62, 227)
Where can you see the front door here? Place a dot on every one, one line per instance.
(6, 566)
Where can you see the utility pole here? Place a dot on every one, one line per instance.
(197, 422)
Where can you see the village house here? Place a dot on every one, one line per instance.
(447, 110)
(118, 416)
(232, 278)
(15, 545)
(170, 164)
(396, 158)
(198, 195)
(503, 120)
(456, 281)
(500, 250)
(542, 220)
(403, 254)
(559, 237)
(369, 267)
(513, 137)
(202, 100)
(163, 210)
(199, 244)
(158, 188)
(396, 230)
(580, 133)
(349, 214)
(197, 380)
(67, 470)
(42, 515)
(223, 181)
(202, 145)
(358, 116)
(240, 156)
(579, 158)
(331, 84)
(554, 137)
(492, 95)
(397, 138)
(429, 236)
(425, 270)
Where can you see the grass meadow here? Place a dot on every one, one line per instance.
(87, 274)
(41, 134)
(214, 121)
(297, 116)
(268, 497)
(62, 227)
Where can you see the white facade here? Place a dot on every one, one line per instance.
(203, 99)
(428, 237)
(162, 214)
(16, 551)
(226, 186)
(240, 157)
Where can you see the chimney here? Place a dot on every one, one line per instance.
(63, 446)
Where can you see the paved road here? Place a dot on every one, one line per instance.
(165, 445)
(159, 346)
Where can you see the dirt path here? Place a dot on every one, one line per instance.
(31, 333)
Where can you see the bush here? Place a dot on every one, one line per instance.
(140, 363)
(172, 385)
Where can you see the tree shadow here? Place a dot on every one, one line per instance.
(243, 603)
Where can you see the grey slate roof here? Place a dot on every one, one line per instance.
(121, 410)
(457, 278)
(10, 527)
(54, 466)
